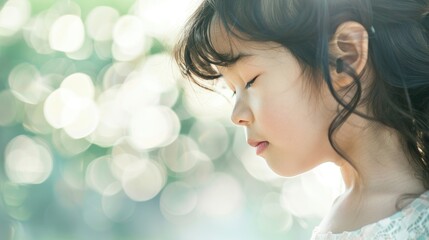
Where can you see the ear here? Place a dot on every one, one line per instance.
(350, 43)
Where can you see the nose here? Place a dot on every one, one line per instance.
(242, 113)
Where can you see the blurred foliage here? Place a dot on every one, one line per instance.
(101, 138)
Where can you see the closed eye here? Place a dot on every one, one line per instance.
(248, 84)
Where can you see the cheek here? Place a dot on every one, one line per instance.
(276, 117)
(292, 120)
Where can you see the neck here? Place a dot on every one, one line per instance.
(377, 177)
(378, 165)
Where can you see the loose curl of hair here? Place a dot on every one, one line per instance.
(398, 52)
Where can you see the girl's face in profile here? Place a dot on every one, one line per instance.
(286, 126)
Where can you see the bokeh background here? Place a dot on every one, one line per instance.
(102, 138)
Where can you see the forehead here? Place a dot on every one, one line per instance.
(222, 41)
(235, 45)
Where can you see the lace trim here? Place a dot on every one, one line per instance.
(411, 222)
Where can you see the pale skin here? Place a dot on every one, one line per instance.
(278, 107)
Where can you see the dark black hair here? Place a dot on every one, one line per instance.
(398, 56)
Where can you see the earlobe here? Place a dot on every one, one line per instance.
(350, 44)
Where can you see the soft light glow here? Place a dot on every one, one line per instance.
(8, 108)
(133, 95)
(14, 201)
(123, 54)
(178, 199)
(104, 135)
(83, 52)
(13, 15)
(295, 200)
(67, 34)
(329, 175)
(170, 97)
(223, 89)
(62, 107)
(123, 156)
(272, 217)
(73, 173)
(95, 217)
(66, 195)
(113, 119)
(27, 84)
(305, 196)
(79, 83)
(257, 166)
(27, 161)
(129, 38)
(120, 163)
(67, 145)
(180, 156)
(103, 50)
(115, 74)
(154, 81)
(188, 160)
(221, 197)
(36, 32)
(159, 73)
(71, 106)
(128, 32)
(100, 22)
(118, 207)
(154, 126)
(202, 103)
(100, 178)
(211, 137)
(143, 180)
(86, 122)
(14, 195)
(34, 119)
(157, 16)
(201, 174)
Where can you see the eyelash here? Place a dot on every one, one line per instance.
(248, 85)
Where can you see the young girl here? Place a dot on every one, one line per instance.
(345, 81)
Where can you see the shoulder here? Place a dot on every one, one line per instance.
(416, 217)
(412, 222)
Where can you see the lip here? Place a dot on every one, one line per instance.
(259, 145)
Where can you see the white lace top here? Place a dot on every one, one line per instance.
(412, 222)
